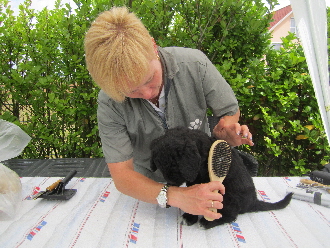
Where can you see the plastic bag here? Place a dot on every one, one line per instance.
(12, 142)
(10, 192)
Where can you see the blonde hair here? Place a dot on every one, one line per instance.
(118, 51)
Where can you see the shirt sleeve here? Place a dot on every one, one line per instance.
(116, 144)
(219, 95)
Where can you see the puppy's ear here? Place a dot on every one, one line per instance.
(153, 166)
(189, 163)
(156, 157)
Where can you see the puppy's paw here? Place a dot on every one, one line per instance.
(205, 224)
(188, 219)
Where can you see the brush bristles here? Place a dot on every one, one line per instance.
(219, 159)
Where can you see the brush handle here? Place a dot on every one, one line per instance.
(61, 186)
(214, 178)
(314, 183)
(214, 210)
(69, 177)
(53, 186)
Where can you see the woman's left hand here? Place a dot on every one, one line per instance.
(232, 132)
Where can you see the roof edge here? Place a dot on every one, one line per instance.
(279, 22)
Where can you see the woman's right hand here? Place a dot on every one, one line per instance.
(197, 199)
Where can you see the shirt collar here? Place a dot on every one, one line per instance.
(169, 63)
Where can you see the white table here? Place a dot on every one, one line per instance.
(99, 216)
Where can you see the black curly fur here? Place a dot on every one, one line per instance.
(181, 155)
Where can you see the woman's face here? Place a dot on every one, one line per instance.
(151, 85)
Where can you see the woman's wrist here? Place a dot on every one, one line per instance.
(173, 196)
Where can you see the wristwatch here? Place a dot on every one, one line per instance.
(162, 197)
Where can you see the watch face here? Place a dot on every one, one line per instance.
(161, 199)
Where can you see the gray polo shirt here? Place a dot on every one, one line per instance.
(192, 84)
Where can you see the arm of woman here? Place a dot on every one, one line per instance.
(196, 199)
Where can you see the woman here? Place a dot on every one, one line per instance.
(146, 89)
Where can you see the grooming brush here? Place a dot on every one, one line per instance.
(57, 190)
(314, 184)
(219, 162)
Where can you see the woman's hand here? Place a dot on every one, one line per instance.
(234, 133)
(230, 130)
(197, 199)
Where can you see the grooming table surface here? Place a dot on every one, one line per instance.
(99, 216)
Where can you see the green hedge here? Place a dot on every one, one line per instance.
(46, 89)
(279, 105)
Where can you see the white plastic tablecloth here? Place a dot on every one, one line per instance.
(99, 216)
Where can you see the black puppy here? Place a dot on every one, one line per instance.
(181, 154)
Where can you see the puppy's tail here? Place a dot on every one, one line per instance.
(266, 206)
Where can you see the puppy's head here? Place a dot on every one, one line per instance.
(176, 156)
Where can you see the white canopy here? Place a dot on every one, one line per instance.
(311, 19)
